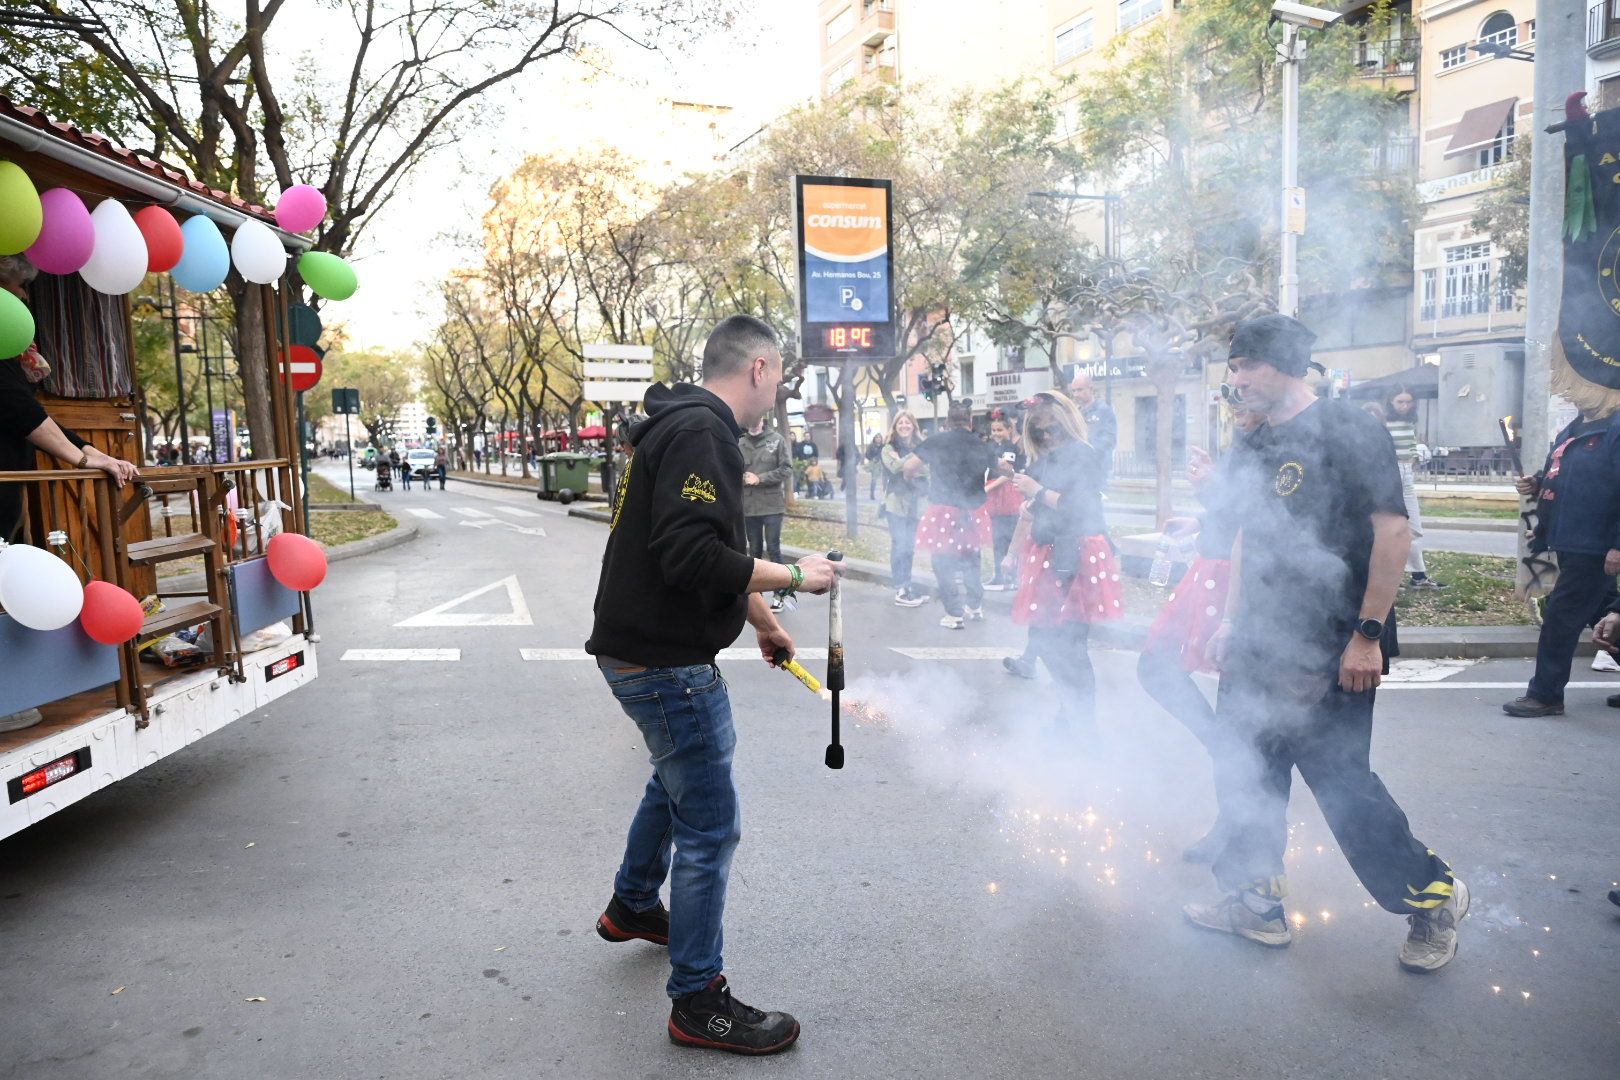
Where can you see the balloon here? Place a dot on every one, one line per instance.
(119, 262)
(300, 208)
(66, 238)
(20, 213)
(296, 561)
(328, 275)
(257, 253)
(206, 260)
(16, 326)
(164, 244)
(37, 589)
(111, 615)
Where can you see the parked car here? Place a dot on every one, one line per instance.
(421, 463)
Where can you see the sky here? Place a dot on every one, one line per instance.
(764, 67)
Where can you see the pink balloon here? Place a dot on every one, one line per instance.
(296, 561)
(300, 208)
(111, 615)
(67, 238)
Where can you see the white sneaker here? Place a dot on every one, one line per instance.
(951, 622)
(1605, 661)
(1230, 915)
(1432, 941)
(974, 614)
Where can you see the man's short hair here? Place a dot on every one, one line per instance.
(733, 345)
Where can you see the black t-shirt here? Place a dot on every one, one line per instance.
(957, 461)
(1075, 472)
(1303, 495)
(1007, 451)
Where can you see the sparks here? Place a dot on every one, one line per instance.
(1526, 994)
(993, 887)
(1299, 920)
(1536, 953)
(1496, 989)
(1326, 915)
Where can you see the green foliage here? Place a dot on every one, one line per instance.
(1503, 214)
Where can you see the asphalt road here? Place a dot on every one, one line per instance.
(405, 861)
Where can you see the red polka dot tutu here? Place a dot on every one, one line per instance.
(948, 529)
(1192, 613)
(1095, 594)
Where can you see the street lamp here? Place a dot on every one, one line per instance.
(1498, 51)
(1294, 17)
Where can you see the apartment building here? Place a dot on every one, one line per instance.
(1603, 54)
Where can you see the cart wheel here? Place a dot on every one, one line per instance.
(565, 496)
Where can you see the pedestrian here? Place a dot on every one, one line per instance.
(405, 472)
(766, 466)
(957, 461)
(1400, 419)
(1003, 504)
(676, 587)
(441, 465)
(874, 464)
(1578, 518)
(1068, 575)
(902, 507)
(1102, 426)
(1313, 501)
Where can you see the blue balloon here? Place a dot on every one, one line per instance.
(206, 260)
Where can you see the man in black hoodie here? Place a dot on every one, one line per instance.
(677, 584)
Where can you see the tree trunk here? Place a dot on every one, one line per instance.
(1164, 383)
(253, 364)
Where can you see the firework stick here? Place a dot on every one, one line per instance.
(835, 660)
(784, 660)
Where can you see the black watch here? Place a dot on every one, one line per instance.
(1371, 629)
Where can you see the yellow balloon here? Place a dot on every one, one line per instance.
(20, 213)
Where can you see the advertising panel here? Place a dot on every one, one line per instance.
(846, 267)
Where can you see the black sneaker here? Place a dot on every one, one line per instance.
(1017, 665)
(712, 1019)
(619, 923)
(1529, 707)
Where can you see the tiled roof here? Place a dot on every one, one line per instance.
(105, 147)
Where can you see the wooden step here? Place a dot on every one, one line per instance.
(168, 548)
(178, 618)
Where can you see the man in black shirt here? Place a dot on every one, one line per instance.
(958, 462)
(676, 586)
(1313, 497)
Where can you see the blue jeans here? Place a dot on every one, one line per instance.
(684, 715)
(902, 549)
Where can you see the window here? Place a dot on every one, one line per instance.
(1498, 149)
(1468, 281)
(1456, 56)
(1501, 30)
(1072, 40)
(1609, 92)
(869, 6)
(1426, 297)
(1530, 31)
(840, 24)
(1132, 12)
(842, 74)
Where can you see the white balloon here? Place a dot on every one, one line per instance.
(257, 253)
(118, 263)
(38, 589)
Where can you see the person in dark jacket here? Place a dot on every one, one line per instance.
(676, 586)
(957, 461)
(1102, 426)
(1578, 499)
(25, 426)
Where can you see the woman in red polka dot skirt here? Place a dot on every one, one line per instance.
(1068, 575)
(958, 462)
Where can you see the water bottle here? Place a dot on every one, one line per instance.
(1159, 574)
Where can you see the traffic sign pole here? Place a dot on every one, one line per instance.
(348, 452)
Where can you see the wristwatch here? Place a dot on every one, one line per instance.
(84, 458)
(1371, 629)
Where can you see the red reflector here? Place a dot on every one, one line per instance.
(283, 666)
(46, 775)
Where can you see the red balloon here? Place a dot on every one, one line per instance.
(111, 615)
(296, 561)
(164, 244)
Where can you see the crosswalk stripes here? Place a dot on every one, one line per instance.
(423, 512)
(403, 655)
(471, 512)
(517, 511)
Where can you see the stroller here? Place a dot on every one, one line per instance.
(385, 475)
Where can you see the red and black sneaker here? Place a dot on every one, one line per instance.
(619, 923)
(712, 1019)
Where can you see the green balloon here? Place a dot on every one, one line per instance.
(20, 212)
(328, 275)
(16, 326)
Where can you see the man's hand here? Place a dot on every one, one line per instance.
(750, 479)
(1026, 484)
(1219, 642)
(771, 639)
(1528, 485)
(1606, 634)
(121, 471)
(1362, 665)
(1611, 562)
(1199, 466)
(819, 572)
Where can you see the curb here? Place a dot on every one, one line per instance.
(528, 487)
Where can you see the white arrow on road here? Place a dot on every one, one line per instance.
(524, 529)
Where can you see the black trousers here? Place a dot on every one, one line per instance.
(950, 566)
(1327, 734)
(765, 536)
(1002, 527)
(1578, 600)
(1063, 648)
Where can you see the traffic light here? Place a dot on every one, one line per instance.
(432, 426)
(925, 383)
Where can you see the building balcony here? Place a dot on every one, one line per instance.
(1393, 61)
(1603, 29)
(877, 21)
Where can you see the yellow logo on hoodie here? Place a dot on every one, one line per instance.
(696, 488)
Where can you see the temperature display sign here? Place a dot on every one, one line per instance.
(846, 267)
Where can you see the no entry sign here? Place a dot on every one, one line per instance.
(301, 368)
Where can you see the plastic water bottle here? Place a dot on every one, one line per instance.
(1159, 574)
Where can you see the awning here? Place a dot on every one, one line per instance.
(1480, 126)
(595, 431)
(1423, 381)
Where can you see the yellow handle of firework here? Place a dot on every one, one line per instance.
(792, 667)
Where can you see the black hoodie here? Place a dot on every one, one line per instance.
(675, 574)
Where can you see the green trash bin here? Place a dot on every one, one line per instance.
(565, 476)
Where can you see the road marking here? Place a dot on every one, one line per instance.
(442, 615)
(741, 653)
(517, 511)
(725, 654)
(1425, 671)
(964, 652)
(398, 655)
(526, 530)
(423, 513)
(1493, 686)
(469, 512)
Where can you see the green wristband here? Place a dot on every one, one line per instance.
(795, 576)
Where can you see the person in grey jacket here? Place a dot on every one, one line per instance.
(767, 467)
